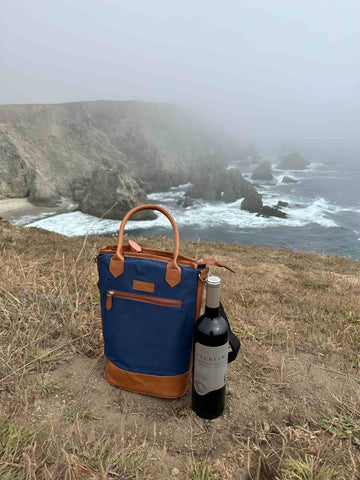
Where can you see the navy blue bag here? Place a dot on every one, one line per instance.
(149, 302)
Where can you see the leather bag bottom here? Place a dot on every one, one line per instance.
(173, 386)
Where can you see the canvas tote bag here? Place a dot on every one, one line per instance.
(149, 301)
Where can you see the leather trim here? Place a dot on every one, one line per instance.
(173, 273)
(204, 274)
(211, 261)
(200, 290)
(134, 247)
(173, 386)
(138, 297)
(116, 266)
(151, 254)
(143, 286)
(109, 300)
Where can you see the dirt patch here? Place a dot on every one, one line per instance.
(292, 393)
(265, 390)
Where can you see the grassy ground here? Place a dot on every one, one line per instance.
(293, 404)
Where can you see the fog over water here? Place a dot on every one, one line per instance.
(283, 74)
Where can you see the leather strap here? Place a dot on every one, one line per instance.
(173, 271)
(211, 261)
(234, 342)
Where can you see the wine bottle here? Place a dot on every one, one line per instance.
(211, 342)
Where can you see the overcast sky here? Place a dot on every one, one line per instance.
(282, 73)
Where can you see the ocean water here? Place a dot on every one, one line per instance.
(324, 214)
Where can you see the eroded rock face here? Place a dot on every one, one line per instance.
(293, 161)
(107, 188)
(42, 193)
(252, 203)
(185, 201)
(43, 148)
(267, 211)
(287, 179)
(226, 186)
(14, 173)
(263, 172)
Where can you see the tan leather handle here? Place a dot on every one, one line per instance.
(173, 271)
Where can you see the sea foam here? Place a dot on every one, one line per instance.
(202, 215)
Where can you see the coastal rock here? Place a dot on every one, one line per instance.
(13, 170)
(110, 189)
(263, 172)
(225, 185)
(18, 179)
(42, 193)
(267, 211)
(185, 201)
(282, 204)
(44, 148)
(292, 161)
(287, 179)
(161, 181)
(252, 202)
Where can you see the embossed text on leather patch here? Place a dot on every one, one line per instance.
(143, 286)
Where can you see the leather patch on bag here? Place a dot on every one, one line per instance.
(143, 286)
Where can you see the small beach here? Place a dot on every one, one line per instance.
(15, 208)
(21, 211)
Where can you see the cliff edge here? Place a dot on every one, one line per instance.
(102, 152)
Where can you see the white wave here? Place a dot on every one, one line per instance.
(76, 224)
(318, 212)
(26, 219)
(66, 206)
(338, 177)
(349, 209)
(295, 174)
(315, 166)
(184, 186)
(203, 215)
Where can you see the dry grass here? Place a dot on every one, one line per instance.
(293, 403)
(26, 452)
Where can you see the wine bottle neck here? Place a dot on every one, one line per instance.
(212, 312)
(213, 296)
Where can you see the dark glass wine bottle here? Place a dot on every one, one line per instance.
(211, 342)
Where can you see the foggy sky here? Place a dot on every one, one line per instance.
(284, 74)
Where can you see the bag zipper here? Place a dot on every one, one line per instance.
(164, 302)
(150, 254)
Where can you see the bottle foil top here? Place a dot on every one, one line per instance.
(213, 291)
(213, 281)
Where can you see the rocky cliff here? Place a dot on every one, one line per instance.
(48, 152)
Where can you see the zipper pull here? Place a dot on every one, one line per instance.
(109, 298)
(134, 247)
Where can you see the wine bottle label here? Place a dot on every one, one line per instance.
(210, 367)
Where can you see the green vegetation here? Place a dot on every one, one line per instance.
(344, 421)
(19, 450)
(202, 472)
(308, 469)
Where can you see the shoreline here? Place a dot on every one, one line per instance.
(338, 242)
(15, 208)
